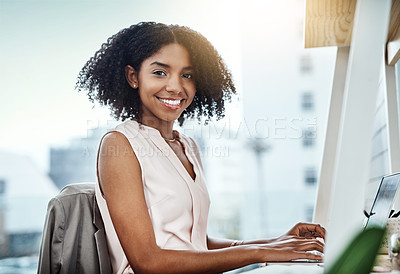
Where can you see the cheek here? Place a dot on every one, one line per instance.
(146, 90)
(191, 91)
(191, 97)
(140, 95)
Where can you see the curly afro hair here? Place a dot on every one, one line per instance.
(103, 76)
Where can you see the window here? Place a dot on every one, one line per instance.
(310, 176)
(307, 101)
(308, 138)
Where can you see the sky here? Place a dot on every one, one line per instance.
(44, 44)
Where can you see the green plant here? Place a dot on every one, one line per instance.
(359, 256)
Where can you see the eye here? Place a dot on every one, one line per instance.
(159, 73)
(187, 75)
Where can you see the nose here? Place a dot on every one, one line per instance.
(174, 84)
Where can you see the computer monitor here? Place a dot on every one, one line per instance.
(384, 200)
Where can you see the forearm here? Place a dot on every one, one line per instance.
(258, 242)
(217, 243)
(156, 260)
(212, 261)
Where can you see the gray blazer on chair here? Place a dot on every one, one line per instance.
(73, 238)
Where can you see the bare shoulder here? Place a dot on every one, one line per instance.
(117, 162)
(113, 140)
(115, 145)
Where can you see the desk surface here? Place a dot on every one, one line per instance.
(286, 268)
(382, 262)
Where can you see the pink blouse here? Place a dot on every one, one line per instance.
(178, 205)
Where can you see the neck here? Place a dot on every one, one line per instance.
(164, 127)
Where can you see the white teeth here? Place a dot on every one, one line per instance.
(170, 102)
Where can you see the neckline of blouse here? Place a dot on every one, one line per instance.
(153, 131)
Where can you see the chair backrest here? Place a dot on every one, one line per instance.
(73, 238)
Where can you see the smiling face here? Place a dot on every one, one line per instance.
(165, 84)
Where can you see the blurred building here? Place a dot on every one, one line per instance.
(24, 193)
(76, 161)
(266, 178)
(286, 92)
(222, 152)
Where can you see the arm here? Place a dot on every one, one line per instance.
(217, 243)
(121, 183)
(300, 230)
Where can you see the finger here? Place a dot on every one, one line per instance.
(304, 227)
(312, 256)
(322, 240)
(305, 241)
(319, 239)
(296, 255)
(306, 237)
(300, 244)
(321, 231)
(311, 234)
(316, 230)
(288, 254)
(293, 240)
(310, 246)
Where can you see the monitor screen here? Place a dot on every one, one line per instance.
(384, 200)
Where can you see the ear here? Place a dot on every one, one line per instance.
(131, 76)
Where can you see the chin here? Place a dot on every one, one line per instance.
(170, 118)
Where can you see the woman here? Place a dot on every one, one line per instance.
(151, 190)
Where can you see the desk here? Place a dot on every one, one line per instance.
(288, 268)
(382, 261)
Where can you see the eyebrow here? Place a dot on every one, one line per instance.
(168, 66)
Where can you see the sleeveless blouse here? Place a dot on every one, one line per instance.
(178, 205)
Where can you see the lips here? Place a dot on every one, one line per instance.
(171, 103)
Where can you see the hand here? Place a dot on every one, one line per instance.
(291, 248)
(307, 230)
(297, 243)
